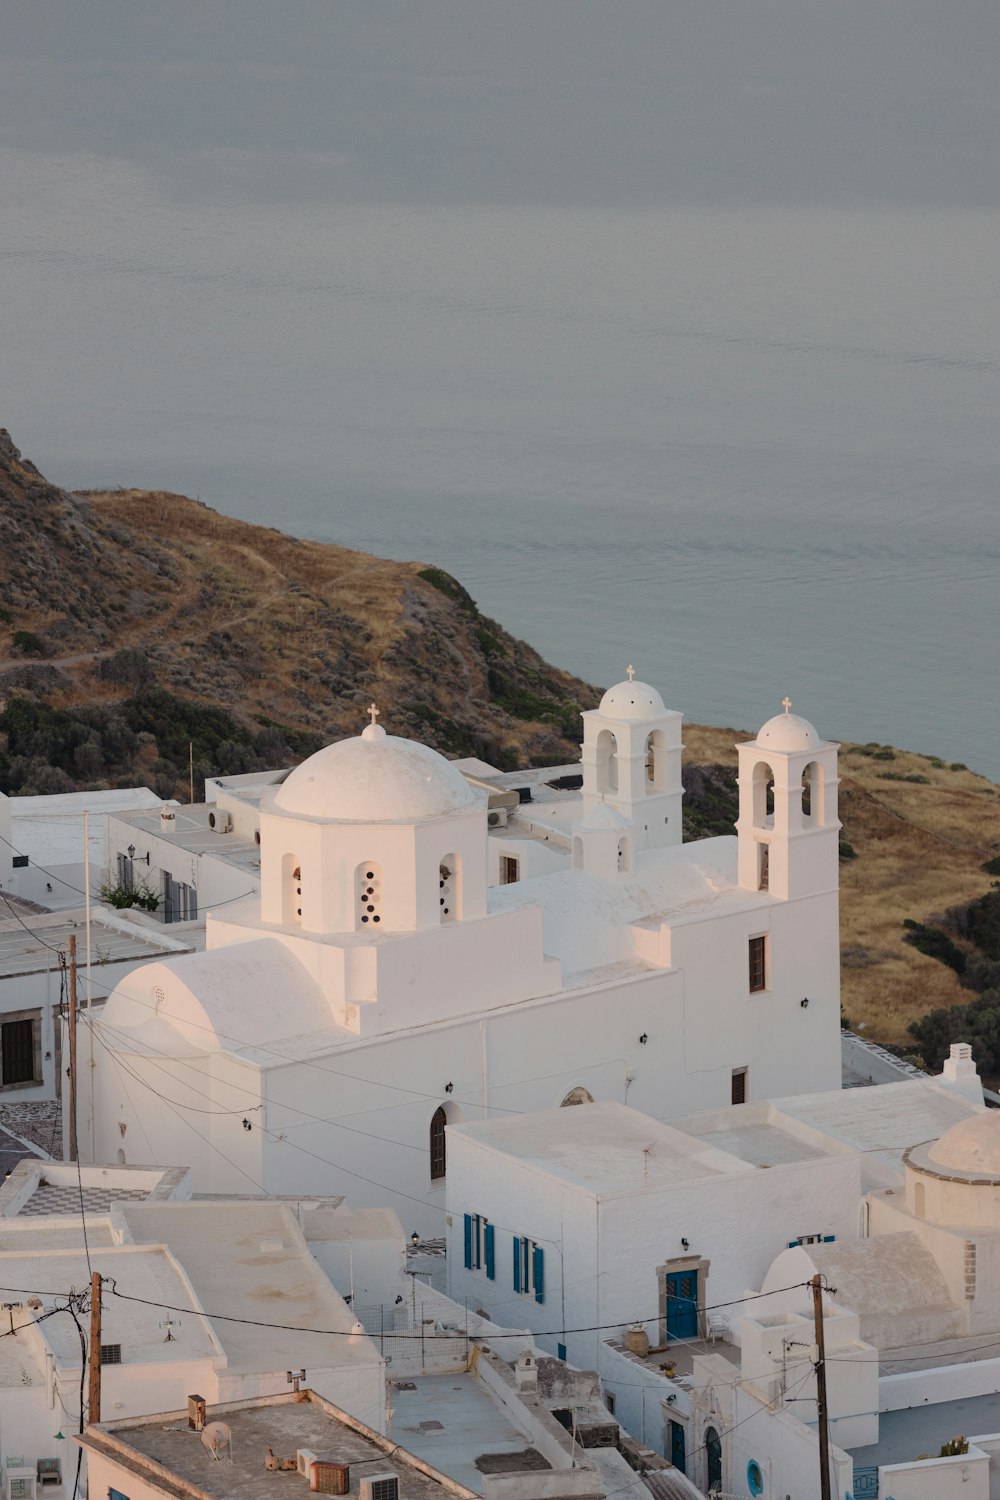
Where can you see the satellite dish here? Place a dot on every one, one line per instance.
(217, 1437)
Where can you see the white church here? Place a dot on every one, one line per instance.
(379, 987)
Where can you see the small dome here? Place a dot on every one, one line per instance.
(375, 778)
(788, 732)
(973, 1145)
(632, 700)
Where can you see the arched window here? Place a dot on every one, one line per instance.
(449, 893)
(579, 1095)
(607, 762)
(368, 894)
(713, 1456)
(763, 795)
(291, 890)
(656, 762)
(812, 794)
(439, 1121)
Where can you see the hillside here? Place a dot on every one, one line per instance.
(277, 632)
(133, 624)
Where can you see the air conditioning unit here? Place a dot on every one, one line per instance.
(220, 821)
(379, 1487)
(327, 1477)
(304, 1459)
(497, 818)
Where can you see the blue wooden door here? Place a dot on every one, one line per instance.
(678, 1451)
(682, 1304)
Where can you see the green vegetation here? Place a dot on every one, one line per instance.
(141, 739)
(978, 966)
(445, 584)
(140, 893)
(27, 643)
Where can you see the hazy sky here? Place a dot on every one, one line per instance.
(893, 102)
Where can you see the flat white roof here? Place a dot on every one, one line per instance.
(606, 1148)
(192, 833)
(26, 947)
(50, 829)
(881, 1122)
(249, 1260)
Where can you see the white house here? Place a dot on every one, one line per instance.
(52, 840)
(33, 985)
(378, 989)
(222, 1298)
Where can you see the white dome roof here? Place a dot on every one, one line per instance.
(973, 1145)
(375, 778)
(632, 700)
(788, 732)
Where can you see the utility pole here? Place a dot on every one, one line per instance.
(822, 1414)
(71, 1008)
(95, 1346)
(191, 770)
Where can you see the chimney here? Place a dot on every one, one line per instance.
(526, 1372)
(168, 820)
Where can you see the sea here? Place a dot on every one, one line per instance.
(753, 450)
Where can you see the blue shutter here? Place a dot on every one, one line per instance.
(828, 1239)
(517, 1263)
(491, 1269)
(468, 1242)
(539, 1265)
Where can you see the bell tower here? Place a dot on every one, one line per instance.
(632, 762)
(788, 828)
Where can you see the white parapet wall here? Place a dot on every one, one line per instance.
(980, 1377)
(964, 1477)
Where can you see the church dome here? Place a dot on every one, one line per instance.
(375, 778)
(632, 700)
(788, 732)
(973, 1145)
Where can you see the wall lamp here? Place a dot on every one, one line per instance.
(246, 1124)
(130, 851)
(449, 1088)
(685, 1244)
(414, 1238)
(644, 1039)
(804, 1002)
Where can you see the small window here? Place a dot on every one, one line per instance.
(579, 1095)
(480, 1245)
(739, 1086)
(609, 1401)
(439, 1122)
(111, 1354)
(17, 1051)
(763, 861)
(509, 870)
(758, 964)
(812, 1239)
(529, 1268)
(116, 1495)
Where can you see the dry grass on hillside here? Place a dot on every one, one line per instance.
(920, 847)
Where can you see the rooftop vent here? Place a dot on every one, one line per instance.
(168, 820)
(379, 1487)
(326, 1477)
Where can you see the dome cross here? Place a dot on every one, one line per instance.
(630, 672)
(373, 712)
(786, 703)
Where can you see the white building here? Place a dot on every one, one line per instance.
(378, 988)
(52, 839)
(222, 1298)
(33, 986)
